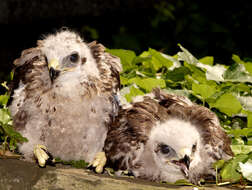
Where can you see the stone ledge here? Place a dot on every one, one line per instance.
(16, 174)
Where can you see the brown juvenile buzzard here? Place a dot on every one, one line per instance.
(166, 137)
(64, 97)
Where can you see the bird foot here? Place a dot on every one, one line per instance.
(42, 155)
(99, 162)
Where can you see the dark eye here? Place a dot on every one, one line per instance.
(165, 149)
(74, 57)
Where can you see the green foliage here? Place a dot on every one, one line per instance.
(73, 163)
(8, 136)
(204, 90)
(127, 57)
(226, 90)
(132, 93)
(241, 149)
(246, 169)
(237, 73)
(147, 84)
(228, 104)
(208, 60)
(229, 172)
(156, 60)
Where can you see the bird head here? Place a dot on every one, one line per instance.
(65, 51)
(175, 148)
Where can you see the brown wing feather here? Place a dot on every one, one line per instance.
(30, 69)
(169, 99)
(108, 65)
(31, 76)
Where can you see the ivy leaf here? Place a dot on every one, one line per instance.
(133, 93)
(157, 60)
(204, 90)
(123, 80)
(148, 83)
(173, 59)
(228, 172)
(13, 134)
(248, 65)
(4, 116)
(241, 87)
(178, 74)
(240, 132)
(215, 72)
(228, 104)
(241, 149)
(197, 73)
(126, 57)
(219, 164)
(186, 56)
(4, 99)
(237, 59)
(140, 59)
(208, 60)
(237, 73)
(246, 102)
(246, 169)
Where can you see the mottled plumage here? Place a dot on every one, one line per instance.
(68, 106)
(164, 137)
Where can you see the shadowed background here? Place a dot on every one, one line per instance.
(203, 27)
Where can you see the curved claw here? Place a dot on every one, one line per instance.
(41, 154)
(99, 162)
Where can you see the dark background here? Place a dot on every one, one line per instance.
(203, 27)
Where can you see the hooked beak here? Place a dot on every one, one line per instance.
(184, 164)
(53, 66)
(186, 160)
(183, 160)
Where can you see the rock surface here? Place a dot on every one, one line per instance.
(20, 175)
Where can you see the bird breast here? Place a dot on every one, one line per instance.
(77, 120)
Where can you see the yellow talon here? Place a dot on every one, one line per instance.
(99, 162)
(40, 154)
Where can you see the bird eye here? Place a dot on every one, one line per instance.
(74, 57)
(165, 149)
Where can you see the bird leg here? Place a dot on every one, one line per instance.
(42, 155)
(99, 162)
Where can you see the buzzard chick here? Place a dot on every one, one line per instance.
(64, 97)
(166, 137)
